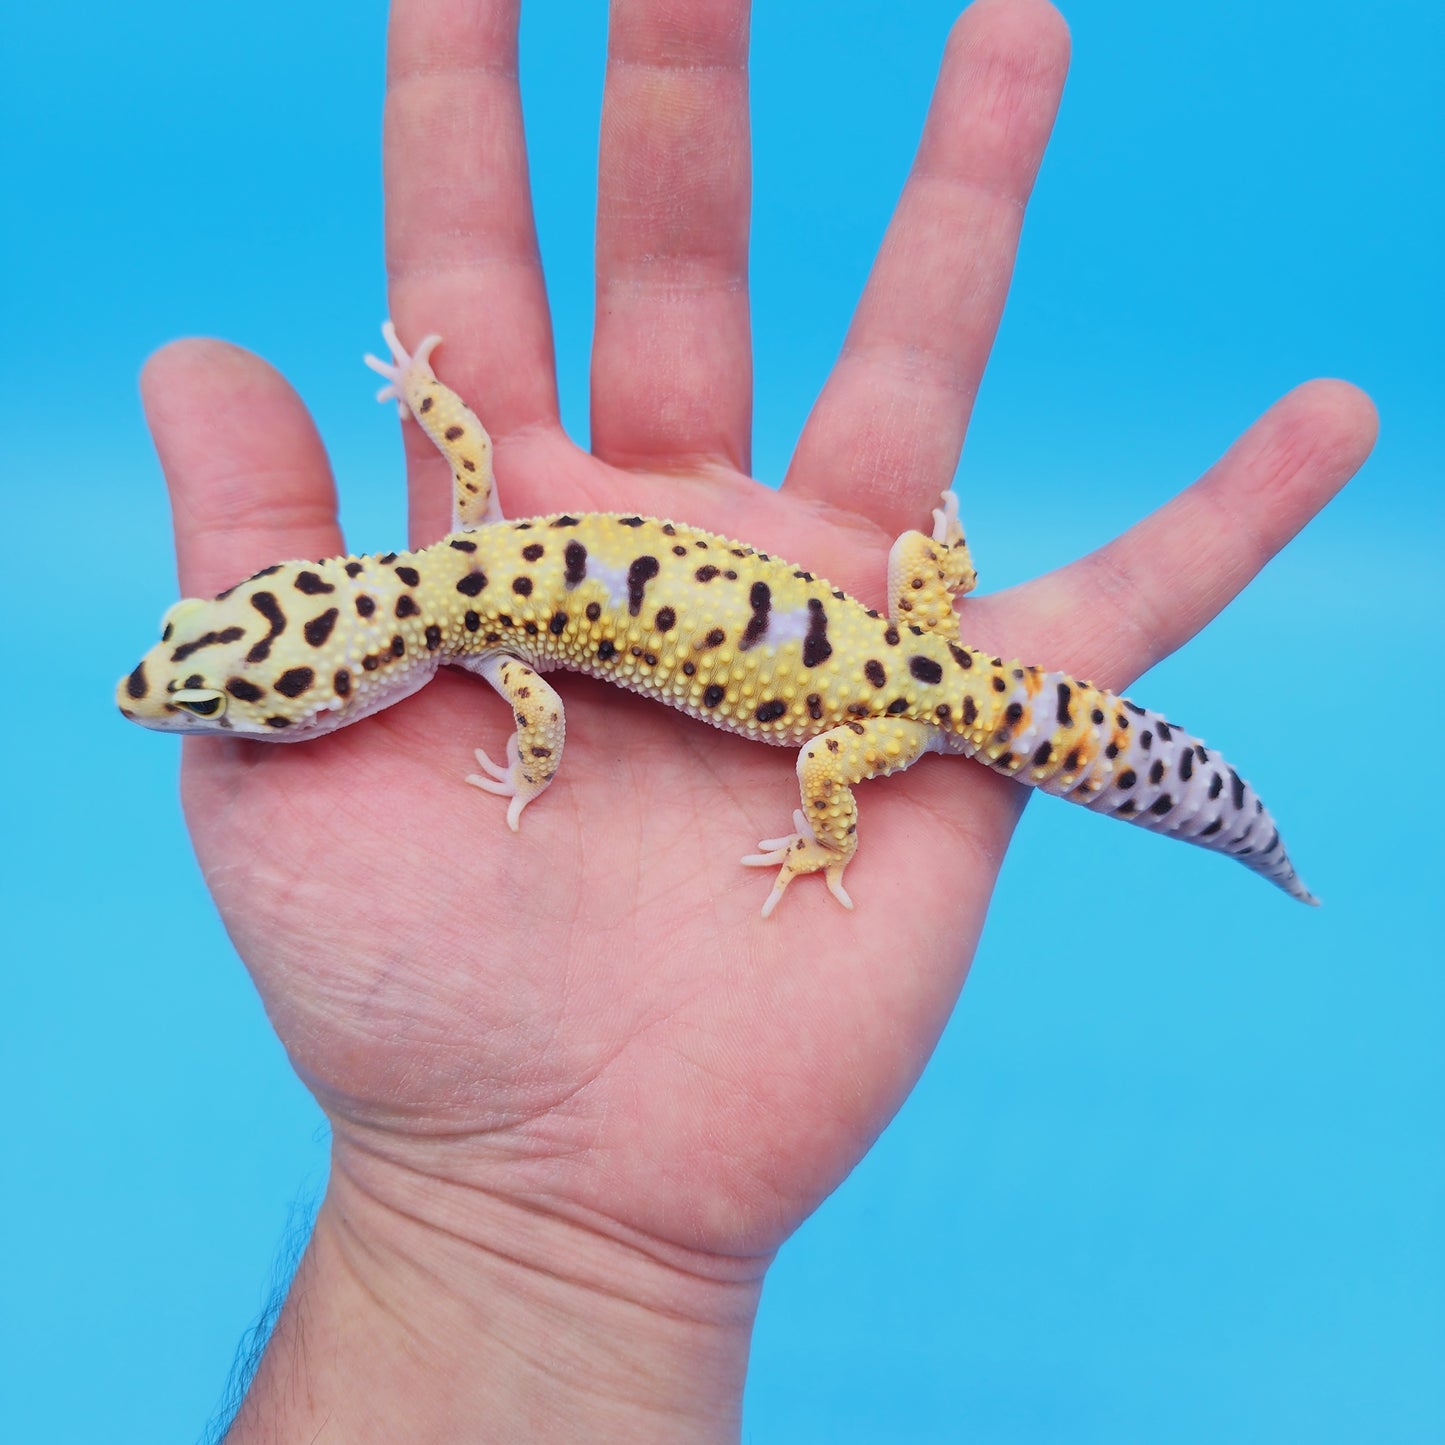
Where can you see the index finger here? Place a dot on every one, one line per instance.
(461, 244)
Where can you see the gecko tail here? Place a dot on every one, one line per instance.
(1099, 750)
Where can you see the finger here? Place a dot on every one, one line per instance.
(1113, 614)
(887, 430)
(461, 245)
(671, 354)
(248, 477)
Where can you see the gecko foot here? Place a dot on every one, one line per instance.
(402, 367)
(507, 782)
(799, 853)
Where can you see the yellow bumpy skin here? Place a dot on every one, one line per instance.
(707, 625)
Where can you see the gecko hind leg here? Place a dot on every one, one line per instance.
(926, 574)
(825, 835)
(448, 421)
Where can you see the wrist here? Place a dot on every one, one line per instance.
(425, 1310)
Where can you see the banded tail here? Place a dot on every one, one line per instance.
(1080, 742)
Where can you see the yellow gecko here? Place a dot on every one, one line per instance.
(709, 626)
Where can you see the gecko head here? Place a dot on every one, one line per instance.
(259, 661)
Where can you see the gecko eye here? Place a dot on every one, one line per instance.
(203, 701)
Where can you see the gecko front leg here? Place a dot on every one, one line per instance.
(534, 751)
(448, 421)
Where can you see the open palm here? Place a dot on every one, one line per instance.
(591, 1016)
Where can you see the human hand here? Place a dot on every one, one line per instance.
(580, 1093)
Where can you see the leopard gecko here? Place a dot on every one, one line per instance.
(709, 626)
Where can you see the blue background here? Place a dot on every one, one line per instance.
(1187, 1185)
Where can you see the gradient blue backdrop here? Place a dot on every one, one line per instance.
(1186, 1185)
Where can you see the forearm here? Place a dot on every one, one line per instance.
(507, 1324)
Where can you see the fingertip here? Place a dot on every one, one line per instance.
(1012, 26)
(1341, 411)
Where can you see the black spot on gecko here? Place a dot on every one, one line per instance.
(1212, 829)
(999, 685)
(1112, 750)
(472, 584)
(1133, 707)
(398, 646)
(1146, 739)
(1166, 733)
(771, 710)
(265, 603)
(606, 650)
(387, 558)
(1072, 761)
(1066, 718)
(471, 621)
(898, 705)
(453, 432)
(1186, 764)
(365, 605)
(679, 551)
(522, 586)
(278, 722)
(558, 622)
(815, 706)
(943, 712)
(409, 575)
(594, 611)
(294, 681)
(706, 573)
(925, 669)
(713, 695)
(1216, 786)
(1156, 770)
(565, 520)
(970, 712)
(136, 685)
(370, 662)
(688, 668)
(715, 638)
(1161, 804)
(665, 620)
(960, 655)
(1096, 717)
(760, 599)
(873, 671)
(462, 546)
(629, 521)
(426, 405)
(1236, 784)
(433, 637)
(406, 606)
(1125, 808)
(1014, 711)
(311, 584)
(209, 639)
(1203, 756)
(890, 636)
(816, 647)
(639, 574)
(575, 556)
(534, 551)
(856, 727)
(1044, 753)
(319, 628)
(1128, 778)
(238, 687)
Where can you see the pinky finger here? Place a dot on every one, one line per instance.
(1115, 613)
